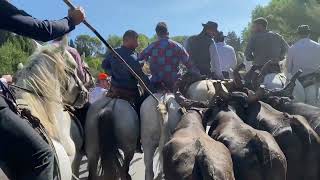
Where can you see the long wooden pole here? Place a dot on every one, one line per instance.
(85, 22)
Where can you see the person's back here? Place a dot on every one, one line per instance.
(198, 48)
(120, 75)
(267, 46)
(305, 55)
(165, 57)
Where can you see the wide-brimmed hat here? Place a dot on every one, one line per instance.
(210, 24)
(303, 29)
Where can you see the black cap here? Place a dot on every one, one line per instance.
(304, 29)
(262, 21)
(211, 24)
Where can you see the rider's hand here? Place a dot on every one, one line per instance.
(76, 15)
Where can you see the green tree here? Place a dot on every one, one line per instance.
(233, 40)
(179, 39)
(91, 46)
(94, 64)
(143, 42)
(11, 56)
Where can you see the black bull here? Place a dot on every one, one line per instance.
(255, 153)
(290, 133)
(192, 155)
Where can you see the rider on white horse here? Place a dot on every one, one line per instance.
(123, 83)
(264, 46)
(37, 159)
(305, 54)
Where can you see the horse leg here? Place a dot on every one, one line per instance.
(127, 160)
(149, 151)
(76, 164)
(93, 167)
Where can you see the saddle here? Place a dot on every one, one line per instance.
(121, 93)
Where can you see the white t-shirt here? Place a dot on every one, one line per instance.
(96, 94)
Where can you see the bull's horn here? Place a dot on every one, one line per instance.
(237, 77)
(288, 90)
(187, 103)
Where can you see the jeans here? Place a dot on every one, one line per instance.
(23, 151)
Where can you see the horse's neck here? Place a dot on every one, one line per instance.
(50, 114)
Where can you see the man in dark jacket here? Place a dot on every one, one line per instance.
(123, 84)
(264, 46)
(203, 52)
(22, 150)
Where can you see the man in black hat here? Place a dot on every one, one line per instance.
(264, 46)
(203, 51)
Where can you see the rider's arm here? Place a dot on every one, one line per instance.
(249, 50)
(146, 53)
(184, 57)
(284, 48)
(106, 64)
(215, 60)
(19, 22)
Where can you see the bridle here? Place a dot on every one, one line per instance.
(82, 91)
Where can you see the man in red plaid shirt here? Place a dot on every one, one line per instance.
(165, 56)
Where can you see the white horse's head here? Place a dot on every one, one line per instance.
(51, 73)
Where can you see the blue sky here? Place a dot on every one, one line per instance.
(184, 17)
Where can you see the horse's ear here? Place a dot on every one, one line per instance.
(64, 42)
(36, 45)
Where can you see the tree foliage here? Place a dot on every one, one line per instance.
(90, 46)
(233, 40)
(11, 55)
(284, 16)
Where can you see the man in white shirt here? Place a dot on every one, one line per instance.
(304, 54)
(227, 55)
(101, 88)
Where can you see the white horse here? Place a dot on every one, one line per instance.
(111, 124)
(51, 75)
(158, 121)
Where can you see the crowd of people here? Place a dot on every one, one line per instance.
(203, 54)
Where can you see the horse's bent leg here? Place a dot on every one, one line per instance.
(149, 151)
(127, 160)
(76, 164)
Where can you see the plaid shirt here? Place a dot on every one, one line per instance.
(165, 56)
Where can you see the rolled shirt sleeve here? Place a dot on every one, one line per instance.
(215, 61)
(19, 22)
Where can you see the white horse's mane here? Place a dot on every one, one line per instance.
(46, 75)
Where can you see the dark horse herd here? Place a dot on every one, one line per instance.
(255, 134)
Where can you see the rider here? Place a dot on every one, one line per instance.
(123, 84)
(203, 51)
(166, 56)
(304, 54)
(264, 46)
(35, 159)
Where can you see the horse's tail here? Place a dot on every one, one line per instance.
(164, 128)
(111, 159)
